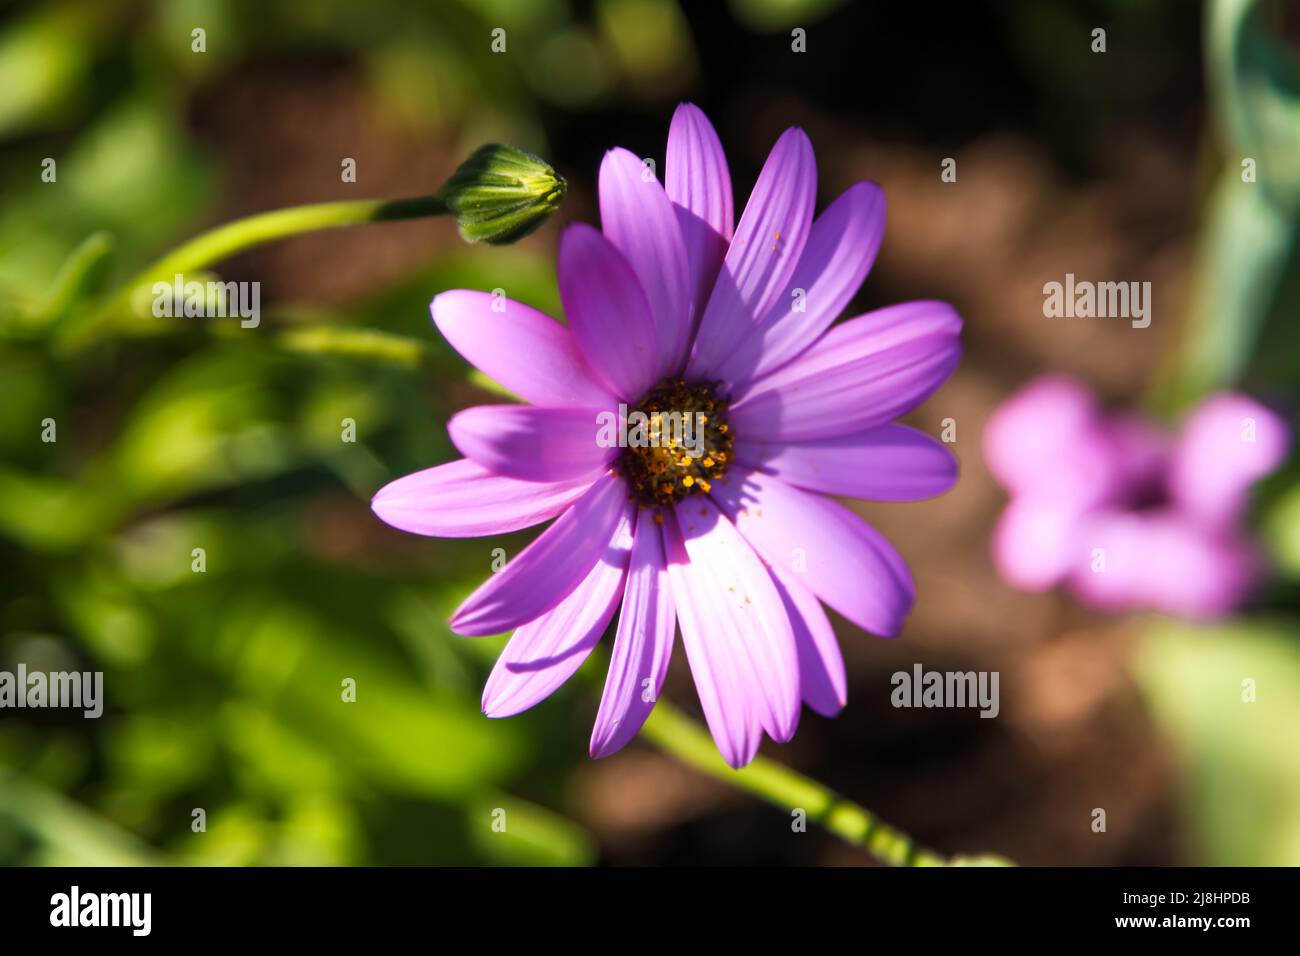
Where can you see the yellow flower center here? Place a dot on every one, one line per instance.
(678, 443)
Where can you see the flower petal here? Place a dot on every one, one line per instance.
(1035, 542)
(1162, 561)
(825, 546)
(462, 499)
(608, 312)
(532, 444)
(1226, 445)
(546, 572)
(542, 654)
(526, 351)
(863, 373)
(722, 675)
(640, 222)
(889, 463)
(823, 683)
(841, 248)
(698, 183)
(1049, 440)
(642, 646)
(764, 252)
(737, 614)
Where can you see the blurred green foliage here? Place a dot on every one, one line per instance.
(225, 688)
(1247, 284)
(1242, 789)
(1228, 697)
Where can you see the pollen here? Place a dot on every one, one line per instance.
(685, 446)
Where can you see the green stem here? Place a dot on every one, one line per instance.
(678, 735)
(363, 344)
(232, 238)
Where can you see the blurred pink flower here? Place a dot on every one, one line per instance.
(1125, 513)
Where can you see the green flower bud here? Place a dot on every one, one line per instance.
(501, 194)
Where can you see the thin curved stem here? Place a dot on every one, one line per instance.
(232, 238)
(678, 735)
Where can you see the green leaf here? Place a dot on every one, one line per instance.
(1248, 243)
(514, 832)
(1245, 249)
(1239, 758)
(1255, 80)
(65, 832)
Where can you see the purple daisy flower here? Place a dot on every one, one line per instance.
(1124, 513)
(672, 312)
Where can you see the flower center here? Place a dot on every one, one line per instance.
(678, 442)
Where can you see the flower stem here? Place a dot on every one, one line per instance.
(232, 238)
(675, 733)
(362, 344)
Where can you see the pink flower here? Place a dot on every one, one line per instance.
(1127, 515)
(670, 311)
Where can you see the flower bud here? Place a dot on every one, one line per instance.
(501, 194)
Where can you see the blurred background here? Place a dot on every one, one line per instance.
(223, 688)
